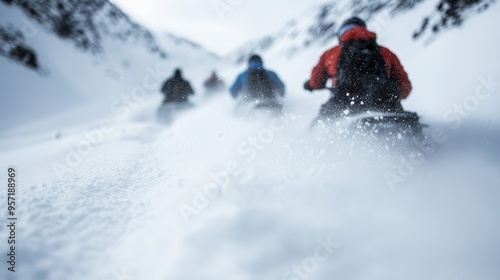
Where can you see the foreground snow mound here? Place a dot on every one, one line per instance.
(261, 198)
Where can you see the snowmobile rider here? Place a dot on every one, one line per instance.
(257, 83)
(357, 44)
(214, 83)
(176, 89)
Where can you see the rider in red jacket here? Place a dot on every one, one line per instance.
(354, 29)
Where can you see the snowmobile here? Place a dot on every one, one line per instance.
(168, 111)
(269, 105)
(373, 122)
(257, 106)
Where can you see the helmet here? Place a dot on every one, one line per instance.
(350, 23)
(255, 58)
(354, 20)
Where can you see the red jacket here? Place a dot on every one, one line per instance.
(327, 65)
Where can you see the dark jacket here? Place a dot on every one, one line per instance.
(214, 83)
(176, 89)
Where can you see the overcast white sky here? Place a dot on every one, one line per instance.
(220, 32)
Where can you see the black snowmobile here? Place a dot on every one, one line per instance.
(168, 111)
(268, 105)
(382, 117)
(248, 107)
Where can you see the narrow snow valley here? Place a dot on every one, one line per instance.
(106, 191)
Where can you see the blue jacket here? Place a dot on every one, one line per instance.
(241, 83)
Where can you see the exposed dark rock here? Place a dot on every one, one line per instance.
(24, 55)
(450, 13)
(87, 22)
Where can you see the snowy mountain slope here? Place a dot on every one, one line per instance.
(81, 82)
(143, 201)
(449, 14)
(87, 23)
(319, 25)
(171, 38)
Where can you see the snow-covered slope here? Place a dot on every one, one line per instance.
(86, 23)
(318, 26)
(73, 83)
(214, 196)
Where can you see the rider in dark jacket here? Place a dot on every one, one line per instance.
(214, 83)
(176, 89)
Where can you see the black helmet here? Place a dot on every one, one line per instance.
(255, 58)
(348, 22)
(354, 20)
(178, 72)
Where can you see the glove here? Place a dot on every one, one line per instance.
(307, 86)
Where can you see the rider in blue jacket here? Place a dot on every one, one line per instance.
(257, 83)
